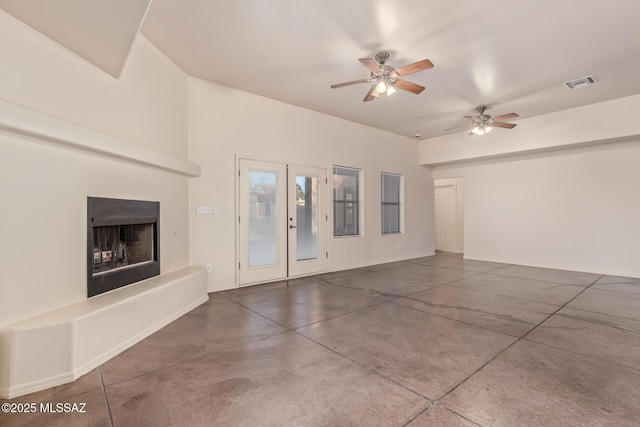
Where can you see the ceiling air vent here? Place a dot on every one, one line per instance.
(584, 81)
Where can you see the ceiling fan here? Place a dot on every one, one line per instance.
(484, 123)
(385, 78)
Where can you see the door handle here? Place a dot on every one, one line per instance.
(292, 226)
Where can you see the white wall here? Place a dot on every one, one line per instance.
(44, 186)
(554, 209)
(226, 122)
(559, 187)
(145, 106)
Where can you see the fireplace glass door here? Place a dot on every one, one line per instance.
(121, 246)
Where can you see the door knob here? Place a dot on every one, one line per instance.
(292, 226)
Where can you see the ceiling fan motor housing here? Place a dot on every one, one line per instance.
(387, 74)
(486, 119)
(482, 119)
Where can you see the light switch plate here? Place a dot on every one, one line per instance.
(203, 210)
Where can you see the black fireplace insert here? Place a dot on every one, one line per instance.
(122, 243)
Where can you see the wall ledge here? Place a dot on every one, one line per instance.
(24, 121)
(516, 154)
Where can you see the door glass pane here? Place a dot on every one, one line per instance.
(307, 217)
(263, 219)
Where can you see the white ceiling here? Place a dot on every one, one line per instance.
(512, 55)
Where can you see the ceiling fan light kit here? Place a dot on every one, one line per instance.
(381, 87)
(386, 79)
(481, 129)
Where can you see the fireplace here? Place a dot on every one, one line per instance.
(122, 243)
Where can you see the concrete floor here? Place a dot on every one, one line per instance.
(436, 341)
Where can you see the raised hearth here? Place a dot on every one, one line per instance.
(60, 346)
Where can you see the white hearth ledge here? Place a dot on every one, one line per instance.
(60, 346)
(24, 121)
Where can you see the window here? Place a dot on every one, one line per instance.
(391, 198)
(346, 201)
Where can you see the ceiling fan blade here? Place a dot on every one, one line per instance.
(505, 117)
(469, 117)
(408, 86)
(370, 64)
(355, 82)
(459, 126)
(370, 96)
(425, 64)
(503, 125)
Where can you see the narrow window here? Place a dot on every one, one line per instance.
(346, 201)
(391, 202)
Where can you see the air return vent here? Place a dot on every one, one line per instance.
(584, 81)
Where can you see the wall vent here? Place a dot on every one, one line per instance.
(584, 81)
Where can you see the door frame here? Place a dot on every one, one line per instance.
(325, 193)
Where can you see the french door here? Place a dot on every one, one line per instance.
(282, 221)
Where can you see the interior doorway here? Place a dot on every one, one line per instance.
(449, 214)
(282, 221)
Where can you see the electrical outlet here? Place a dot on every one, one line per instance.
(596, 254)
(209, 268)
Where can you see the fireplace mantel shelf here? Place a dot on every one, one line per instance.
(24, 121)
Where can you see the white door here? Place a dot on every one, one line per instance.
(307, 220)
(282, 221)
(263, 221)
(445, 217)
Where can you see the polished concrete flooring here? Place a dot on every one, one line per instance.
(435, 341)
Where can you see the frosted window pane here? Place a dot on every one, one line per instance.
(263, 219)
(307, 217)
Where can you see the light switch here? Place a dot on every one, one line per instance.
(203, 210)
(216, 210)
